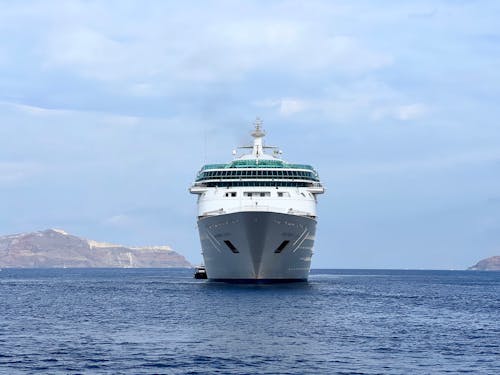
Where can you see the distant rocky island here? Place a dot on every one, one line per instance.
(54, 248)
(488, 264)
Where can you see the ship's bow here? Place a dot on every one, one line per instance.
(257, 246)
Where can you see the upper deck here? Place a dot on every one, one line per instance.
(258, 169)
(256, 163)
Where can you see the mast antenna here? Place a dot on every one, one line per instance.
(258, 132)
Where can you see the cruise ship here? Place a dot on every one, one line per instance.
(257, 215)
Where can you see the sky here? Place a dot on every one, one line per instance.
(109, 108)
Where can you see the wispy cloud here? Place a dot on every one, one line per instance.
(437, 162)
(404, 112)
(35, 110)
(367, 100)
(109, 118)
(183, 47)
(120, 221)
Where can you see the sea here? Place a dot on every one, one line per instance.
(162, 321)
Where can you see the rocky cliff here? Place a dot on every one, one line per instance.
(55, 248)
(488, 264)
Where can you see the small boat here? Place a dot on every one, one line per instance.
(200, 272)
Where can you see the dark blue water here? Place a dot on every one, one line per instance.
(163, 321)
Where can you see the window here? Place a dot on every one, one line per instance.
(231, 246)
(281, 246)
(257, 194)
(256, 183)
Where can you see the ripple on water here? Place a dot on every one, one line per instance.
(163, 321)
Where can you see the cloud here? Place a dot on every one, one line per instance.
(369, 100)
(450, 160)
(108, 118)
(35, 110)
(411, 111)
(143, 90)
(92, 54)
(405, 112)
(121, 120)
(285, 106)
(423, 13)
(120, 221)
(182, 46)
(291, 106)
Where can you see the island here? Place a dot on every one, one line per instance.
(488, 264)
(55, 248)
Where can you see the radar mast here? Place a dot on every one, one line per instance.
(258, 134)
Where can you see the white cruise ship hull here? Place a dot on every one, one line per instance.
(257, 246)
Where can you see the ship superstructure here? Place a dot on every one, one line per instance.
(257, 215)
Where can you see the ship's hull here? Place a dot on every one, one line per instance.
(257, 246)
